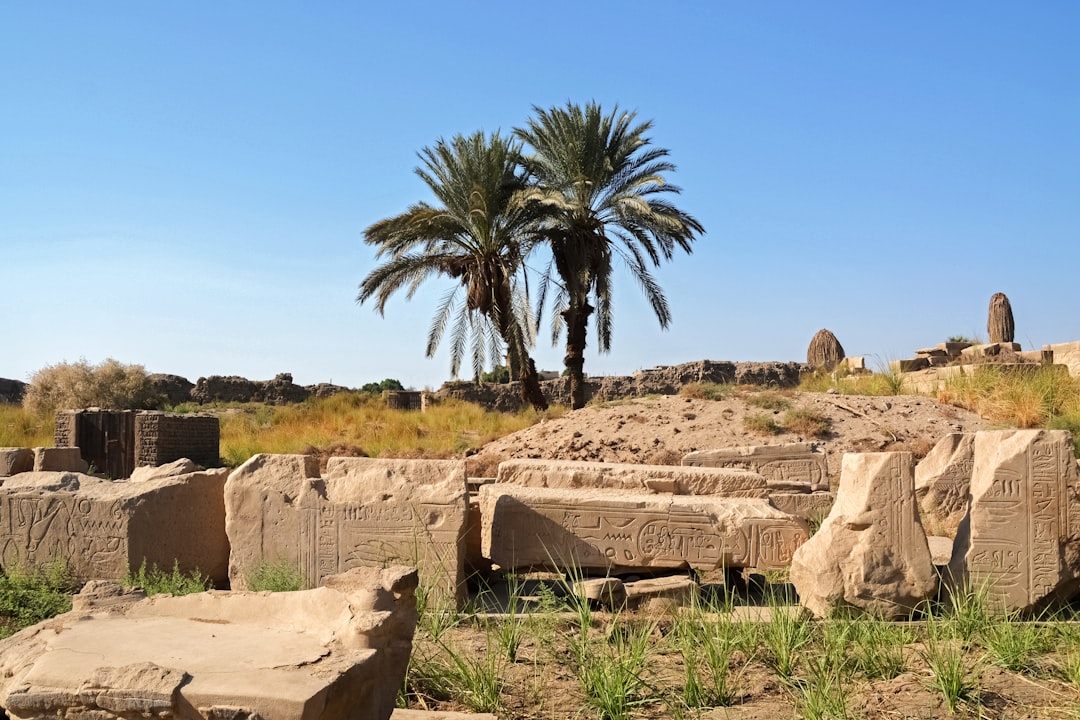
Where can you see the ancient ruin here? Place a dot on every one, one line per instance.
(364, 512)
(999, 321)
(788, 466)
(339, 651)
(825, 351)
(941, 482)
(871, 552)
(1020, 541)
(603, 531)
(637, 478)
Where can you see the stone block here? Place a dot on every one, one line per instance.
(573, 474)
(605, 531)
(336, 652)
(910, 365)
(953, 349)
(941, 482)
(974, 352)
(854, 365)
(59, 459)
(809, 506)
(105, 529)
(1067, 354)
(607, 592)
(1020, 541)
(364, 512)
(800, 463)
(937, 351)
(16, 460)
(871, 553)
(662, 593)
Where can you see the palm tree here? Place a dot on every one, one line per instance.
(478, 236)
(603, 187)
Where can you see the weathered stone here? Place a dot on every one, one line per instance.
(1020, 541)
(16, 460)
(59, 459)
(671, 592)
(106, 529)
(364, 512)
(854, 365)
(183, 466)
(941, 482)
(999, 322)
(809, 506)
(940, 549)
(792, 462)
(1067, 354)
(571, 474)
(607, 592)
(602, 530)
(909, 365)
(339, 651)
(989, 350)
(824, 351)
(928, 353)
(871, 552)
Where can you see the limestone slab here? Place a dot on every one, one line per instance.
(942, 479)
(105, 529)
(16, 460)
(1020, 541)
(871, 553)
(572, 474)
(364, 512)
(604, 530)
(339, 651)
(800, 463)
(59, 459)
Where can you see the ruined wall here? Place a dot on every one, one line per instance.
(64, 432)
(163, 437)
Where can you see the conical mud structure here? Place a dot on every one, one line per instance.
(999, 322)
(825, 351)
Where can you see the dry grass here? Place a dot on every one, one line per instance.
(23, 428)
(809, 423)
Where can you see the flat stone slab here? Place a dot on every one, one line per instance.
(813, 506)
(14, 460)
(576, 474)
(104, 529)
(604, 530)
(364, 512)
(792, 463)
(339, 651)
(1020, 540)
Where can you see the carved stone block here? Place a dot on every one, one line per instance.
(798, 463)
(104, 529)
(601, 530)
(1020, 541)
(871, 552)
(365, 512)
(332, 653)
(808, 506)
(675, 479)
(16, 460)
(59, 459)
(942, 479)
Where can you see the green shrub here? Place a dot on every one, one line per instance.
(110, 384)
(769, 400)
(29, 595)
(280, 576)
(761, 424)
(156, 581)
(806, 422)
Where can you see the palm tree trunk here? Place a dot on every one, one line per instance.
(530, 385)
(577, 322)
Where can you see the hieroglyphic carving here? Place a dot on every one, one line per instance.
(37, 529)
(791, 463)
(942, 479)
(1019, 518)
(630, 477)
(544, 527)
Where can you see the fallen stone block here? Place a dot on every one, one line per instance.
(871, 552)
(608, 592)
(1020, 540)
(809, 506)
(941, 482)
(974, 352)
(364, 512)
(662, 593)
(606, 531)
(909, 365)
(339, 651)
(183, 466)
(792, 463)
(104, 529)
(59, 459)
(16, 460)
(575, 474)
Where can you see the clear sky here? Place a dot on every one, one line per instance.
(185, 185)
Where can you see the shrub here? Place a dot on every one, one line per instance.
(761, 424)
(29, 595)
(155, 581)
(806, 422)
(110, 384)
(769, 400)
(704, 391)
(280, 576)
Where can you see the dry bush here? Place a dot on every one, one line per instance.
(704, 391)
(809, 423)
(484, 465)
(769, 400)
(110, 385)
(761, 425)
(664, 456)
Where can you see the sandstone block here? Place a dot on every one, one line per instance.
(871, 553)
(183, 466)
(364, 512)
(662, 593)
(106, 529)
(941, 482)
(601, 530)
(339, 651)
(607, 592)
(800, 463)
(16, 460)
(1020, 540)
(572, 474)
(59, 459)
(910, 365)
(808, 506)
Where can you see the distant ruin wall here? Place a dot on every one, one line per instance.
(663, 380)
(11, 391)
(161, 438)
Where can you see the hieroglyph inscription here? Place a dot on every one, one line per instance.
(1021, 519)
(36, 529)
(335, 537)
(605, 535)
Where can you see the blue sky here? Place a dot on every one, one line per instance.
(185, 185)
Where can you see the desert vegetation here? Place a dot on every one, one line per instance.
(109, 384)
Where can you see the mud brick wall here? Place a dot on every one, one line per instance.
(64, 433)
(161, 438)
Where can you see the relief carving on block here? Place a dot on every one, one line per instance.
(40, 528)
